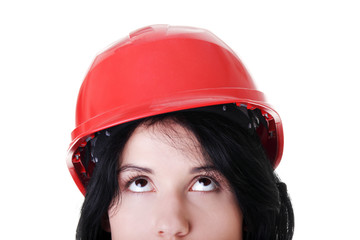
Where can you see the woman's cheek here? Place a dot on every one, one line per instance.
(216, 213)
(131, 204)
(131, 216)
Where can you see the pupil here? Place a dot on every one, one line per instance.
(205, 181)
(141, 182)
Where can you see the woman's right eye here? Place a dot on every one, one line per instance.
(141, 185)
(204, 184)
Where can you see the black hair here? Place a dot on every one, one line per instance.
(235, 151)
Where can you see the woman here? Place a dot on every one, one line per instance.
(173, 141)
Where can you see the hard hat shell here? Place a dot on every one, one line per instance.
(160, 69)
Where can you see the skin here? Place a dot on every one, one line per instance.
(175, 193)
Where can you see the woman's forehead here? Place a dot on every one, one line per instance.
(165, 137)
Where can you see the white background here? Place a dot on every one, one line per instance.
(304, 55)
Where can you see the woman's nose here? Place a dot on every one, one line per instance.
(171, 218)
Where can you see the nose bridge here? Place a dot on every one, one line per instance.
(170, 216)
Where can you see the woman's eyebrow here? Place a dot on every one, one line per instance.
(206, 168)
(130, 167)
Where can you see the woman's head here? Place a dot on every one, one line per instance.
(170, 100)
(201, 176)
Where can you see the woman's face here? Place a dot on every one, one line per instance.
(168, 191)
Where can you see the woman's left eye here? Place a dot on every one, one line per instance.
(141, 185)
(204, 184)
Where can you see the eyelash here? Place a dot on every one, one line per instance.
(213, 177)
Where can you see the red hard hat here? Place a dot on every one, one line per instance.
(160, 69)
